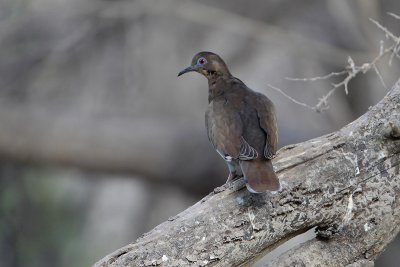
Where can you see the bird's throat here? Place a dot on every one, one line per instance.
(214, 91)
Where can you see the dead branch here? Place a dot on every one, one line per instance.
(351, 70)
(346, 184)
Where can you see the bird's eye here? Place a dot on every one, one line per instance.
(201, 61)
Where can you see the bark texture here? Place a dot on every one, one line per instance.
(346, 184)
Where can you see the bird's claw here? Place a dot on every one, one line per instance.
(232, 176)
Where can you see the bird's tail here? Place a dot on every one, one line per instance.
(259, 176)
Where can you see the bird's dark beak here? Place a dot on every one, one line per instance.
(188, 69)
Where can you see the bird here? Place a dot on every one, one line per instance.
(241, 124)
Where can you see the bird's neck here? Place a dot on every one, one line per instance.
(214, 93)
(216, 86)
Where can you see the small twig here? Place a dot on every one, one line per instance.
(393, 15)
(290, 98)
(317, 78)
(381, 47)
(395, 51)
(323, 101)
(385, 30)
(379, 75)
(395, 47)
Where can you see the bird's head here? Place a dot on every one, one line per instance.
(208, 64)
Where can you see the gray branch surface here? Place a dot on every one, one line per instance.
(346, 184)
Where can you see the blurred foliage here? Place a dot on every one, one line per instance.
(41, 219)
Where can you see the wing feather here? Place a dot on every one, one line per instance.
(267, 118)
(247, 152)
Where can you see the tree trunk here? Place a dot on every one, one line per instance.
(346, 184)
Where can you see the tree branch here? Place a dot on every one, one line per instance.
(345, 183)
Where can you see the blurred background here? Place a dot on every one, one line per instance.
(100, 141)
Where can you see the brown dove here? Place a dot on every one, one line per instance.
(241, 124)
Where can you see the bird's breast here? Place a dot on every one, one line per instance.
(224, 127)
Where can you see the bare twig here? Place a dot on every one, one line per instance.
(379, 75)
(289, 97)
(318, 77)
(395, 47)
(385, 30)
(393, 15)
(351, 70)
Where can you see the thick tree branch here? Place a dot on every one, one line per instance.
(346, 184)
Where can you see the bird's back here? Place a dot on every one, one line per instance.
(236, 110)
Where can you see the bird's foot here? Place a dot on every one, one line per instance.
(232, 176)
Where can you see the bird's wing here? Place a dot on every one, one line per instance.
(266, 116)
(247, 152)
(209, 127)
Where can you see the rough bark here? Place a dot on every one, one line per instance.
(346, 184)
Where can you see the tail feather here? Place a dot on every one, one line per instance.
(260, 176)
